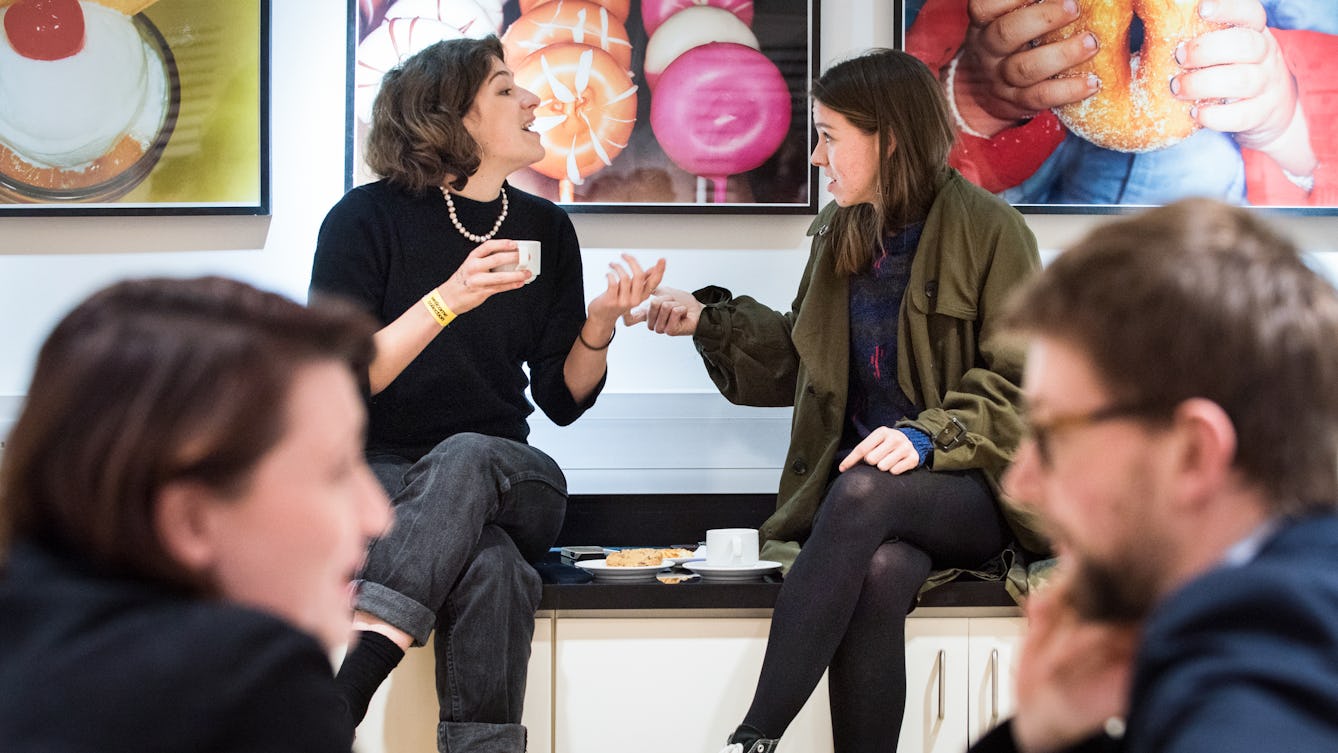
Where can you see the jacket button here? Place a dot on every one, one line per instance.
(931, 288)
(810, 389)
(799, 467)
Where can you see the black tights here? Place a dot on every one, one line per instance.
(844, 602)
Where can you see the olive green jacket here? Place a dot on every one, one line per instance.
(952, 356)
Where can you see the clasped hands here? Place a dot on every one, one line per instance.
(1236, 75)
(478, 278)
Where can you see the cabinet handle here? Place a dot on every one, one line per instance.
(942, 694)
(994, 687)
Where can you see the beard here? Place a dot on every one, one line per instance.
(1105, 593)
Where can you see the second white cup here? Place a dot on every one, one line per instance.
(731, 547)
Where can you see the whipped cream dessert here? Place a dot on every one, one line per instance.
(65, 113)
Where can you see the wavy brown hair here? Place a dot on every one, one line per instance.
(150, 382)
(893, 95)
(418, 135)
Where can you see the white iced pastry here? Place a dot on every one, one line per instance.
(474, 18)
(66, 113)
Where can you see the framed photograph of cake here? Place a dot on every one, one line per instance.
(134, 107)
(646, 105)
(1230, 108)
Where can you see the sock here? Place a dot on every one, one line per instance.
(366, 666)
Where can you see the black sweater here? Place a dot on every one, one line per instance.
(94, 664)
(385, 249)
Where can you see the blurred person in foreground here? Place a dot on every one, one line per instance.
(183, 505)
(1182, 388)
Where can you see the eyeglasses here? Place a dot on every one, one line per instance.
(1042, 432)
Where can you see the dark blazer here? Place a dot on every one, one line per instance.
(96, 664)
(1243, 659)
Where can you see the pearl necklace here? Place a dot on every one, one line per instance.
(450, 207)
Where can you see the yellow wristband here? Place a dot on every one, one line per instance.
(437, 305)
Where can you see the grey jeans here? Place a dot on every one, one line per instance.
(469, 518)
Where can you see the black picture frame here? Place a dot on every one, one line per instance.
(207, 148)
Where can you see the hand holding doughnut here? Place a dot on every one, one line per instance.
(474, 282)
(625, 289)
(1240, 72)
(1003, 77)
(1135, 110)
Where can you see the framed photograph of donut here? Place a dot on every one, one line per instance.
(646, 105)
(1139, 104)
(128, 107)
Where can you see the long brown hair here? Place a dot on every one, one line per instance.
(418, 134)
(893, 95)
(153, 381)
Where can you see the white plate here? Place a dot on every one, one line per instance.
(732, 573)
(680, 560)
(601, 570)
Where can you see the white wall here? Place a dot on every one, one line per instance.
(48, 264)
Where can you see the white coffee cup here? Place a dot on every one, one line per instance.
(528, 251)
(731, 547)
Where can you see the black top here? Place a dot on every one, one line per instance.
(96, 664)
(385, 249)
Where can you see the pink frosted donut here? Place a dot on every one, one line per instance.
(654, 12)
(720, 109)
(474, 18)
(385, 47)
(619, 8)
(586, 111)
(579, 21)
(690, 28)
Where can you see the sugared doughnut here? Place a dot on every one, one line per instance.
(579, 21)
(619, 8)
(654, 12)
(586, 111)
(689, 28)
(1134, 110)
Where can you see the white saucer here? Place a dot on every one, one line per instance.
(601, 570)
(733, 573)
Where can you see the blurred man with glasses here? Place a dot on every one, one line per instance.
(1182, 395)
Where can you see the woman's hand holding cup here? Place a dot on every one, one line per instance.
(479, 277)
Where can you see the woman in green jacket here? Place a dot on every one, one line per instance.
(905, 395)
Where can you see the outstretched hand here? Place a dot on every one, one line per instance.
(628, 286)
(670, 311)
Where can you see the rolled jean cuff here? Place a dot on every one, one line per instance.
(397, 609)
(477, 737)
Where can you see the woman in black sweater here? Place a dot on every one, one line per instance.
(183, 505)
(423, 250)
